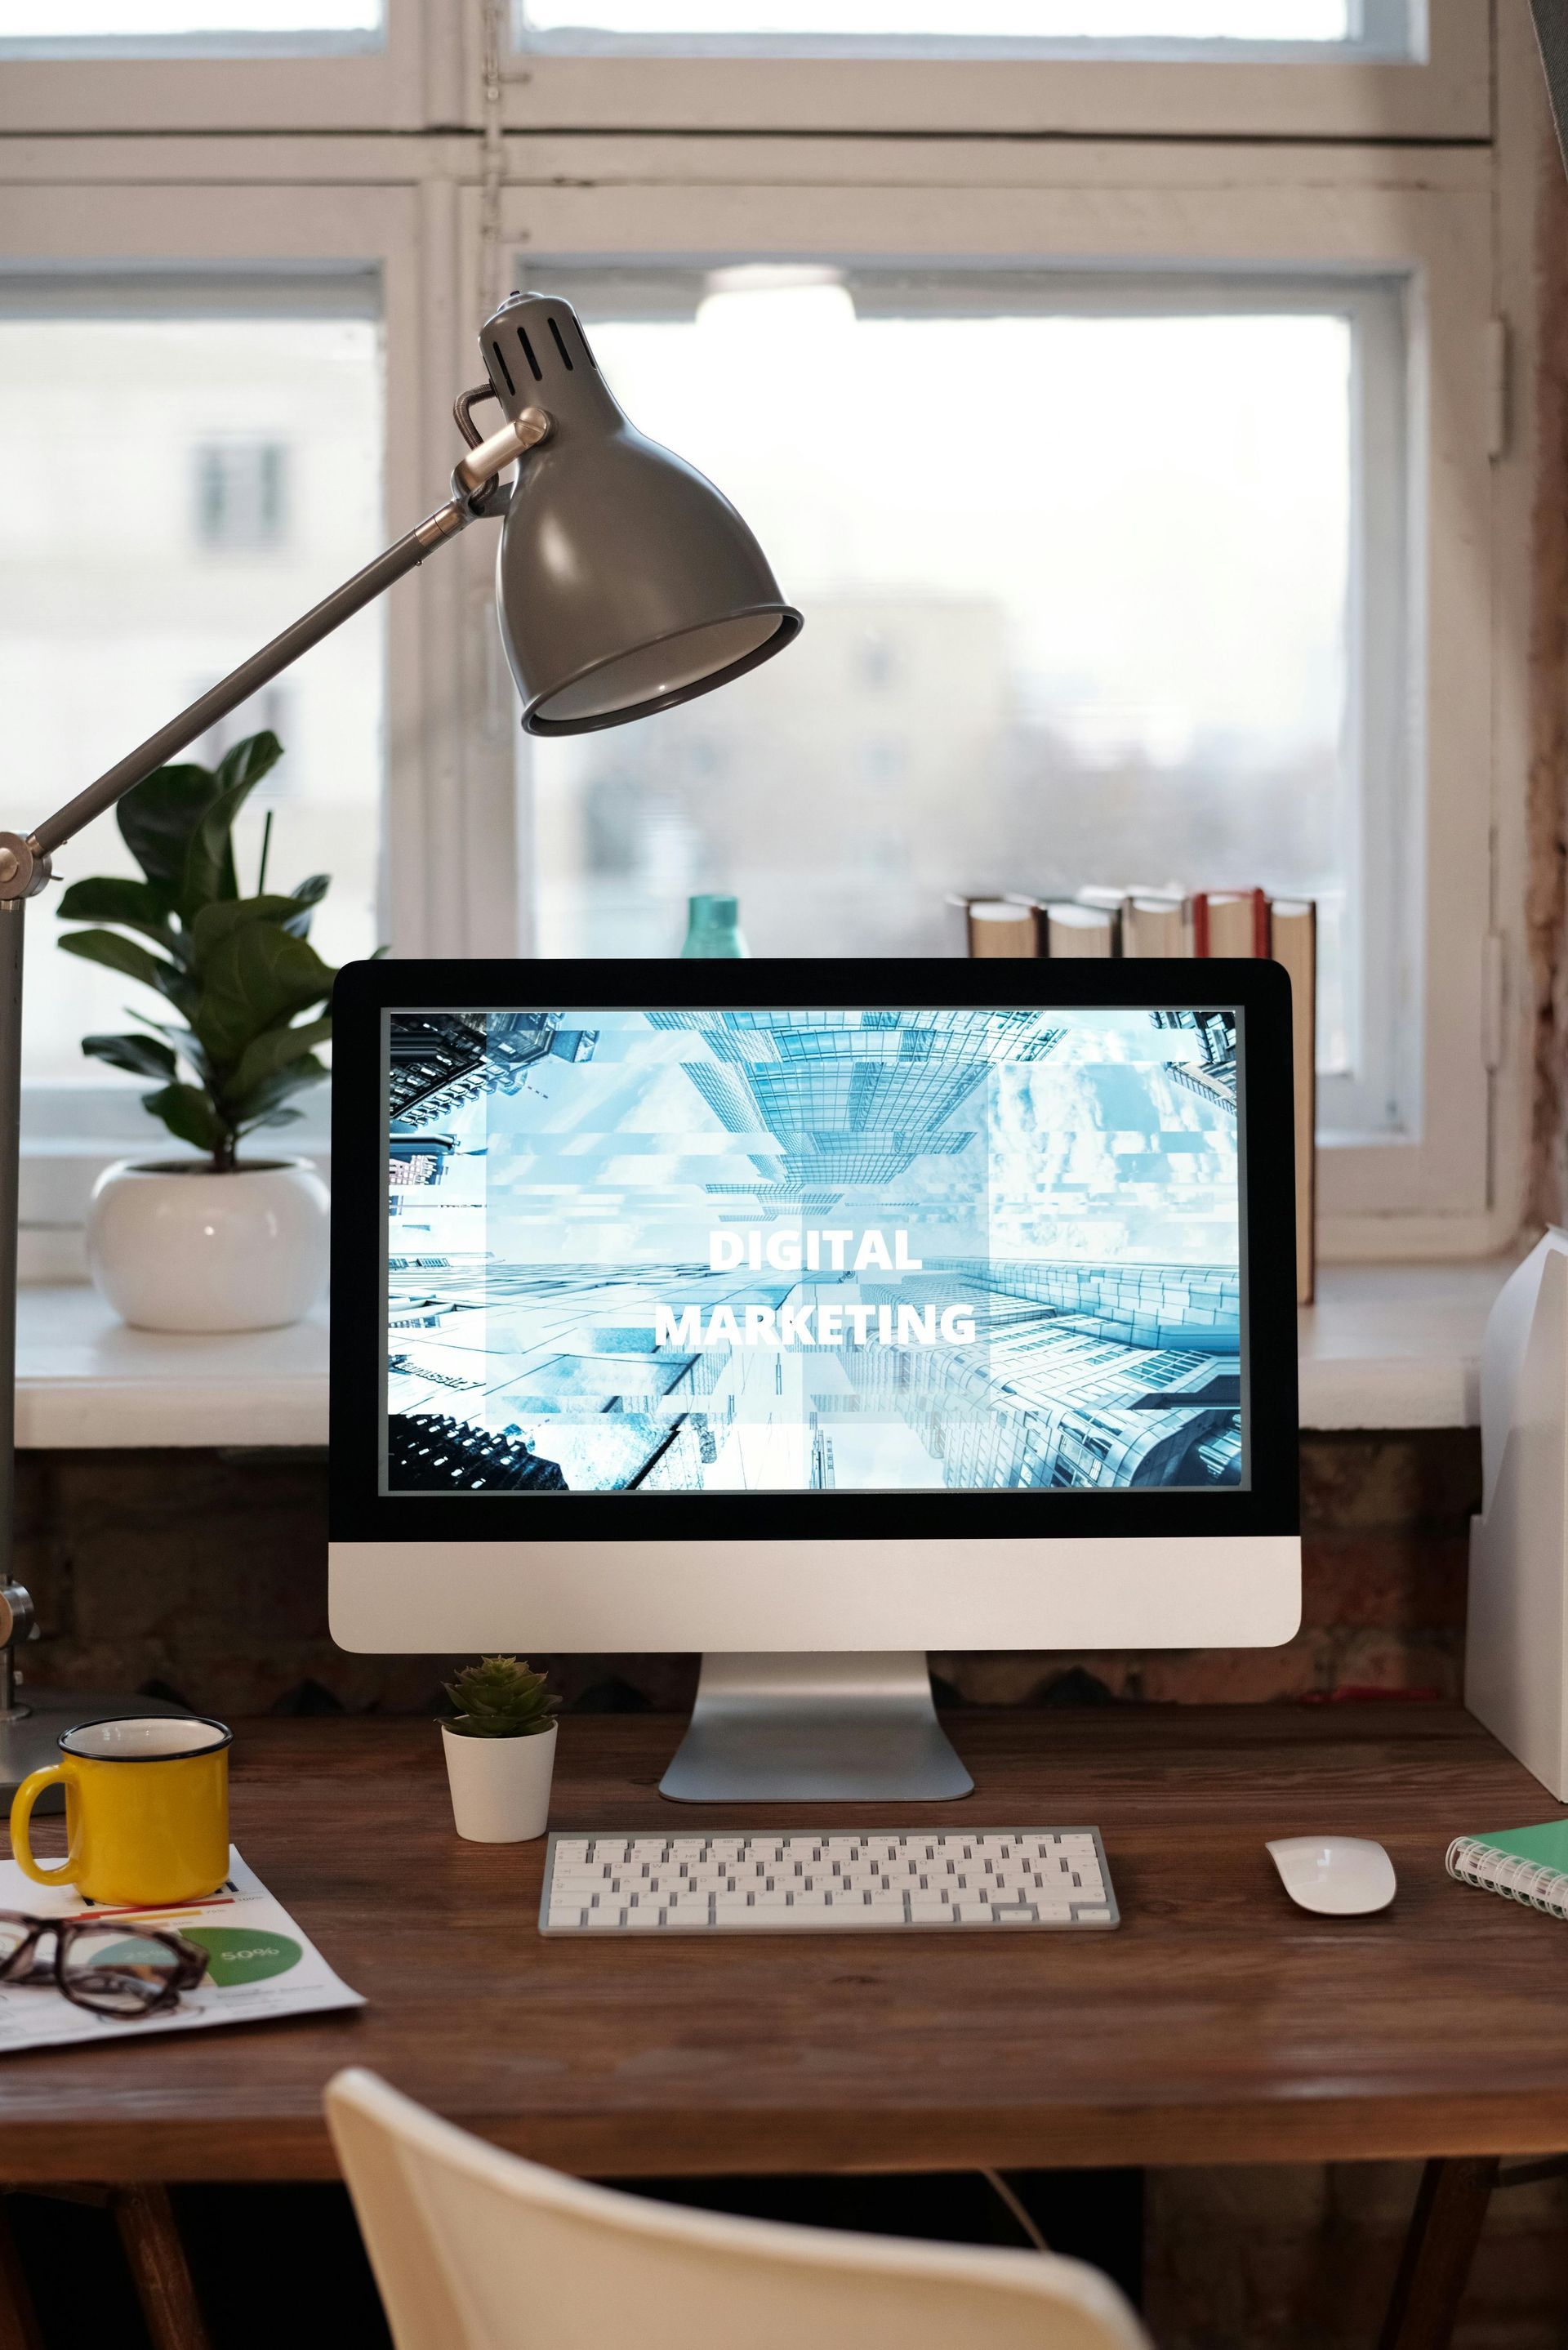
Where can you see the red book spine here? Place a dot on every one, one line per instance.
(1260, 919)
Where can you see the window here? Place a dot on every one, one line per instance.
(1113, 606)
(1369, 69)
(170, 28)
(1028, 27)
(1122, 387)
(240, 492)
(125, 605)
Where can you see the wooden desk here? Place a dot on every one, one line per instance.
(1219, 2025)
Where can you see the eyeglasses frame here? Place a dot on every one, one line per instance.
(24, 1967)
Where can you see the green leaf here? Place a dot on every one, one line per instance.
(157, 820)
(209, 871)
(275, 1117)
(274, 1051)
(136, 905)
(309, 893)
(184, 1044)
(125, 956)
(209, 876)
(249, 761)
(501, 1698)
(216, 922)
(256, 978)
(188, 1113)
(262, 1100)
(162, 818)
(144, 1057)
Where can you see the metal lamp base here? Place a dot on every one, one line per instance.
(829, 1729)
(30, 1740)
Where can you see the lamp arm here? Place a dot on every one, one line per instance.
(24, 862)
(25, 868)
(240, 684)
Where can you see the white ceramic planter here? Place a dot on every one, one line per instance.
(500, 1786)
(174, 1247)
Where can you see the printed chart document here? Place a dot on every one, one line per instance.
(260, 1964)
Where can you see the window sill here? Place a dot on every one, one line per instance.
(1390, 1346)
(84, 1381)
(1397, 1345)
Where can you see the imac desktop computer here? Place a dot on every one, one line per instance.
(812, 1316)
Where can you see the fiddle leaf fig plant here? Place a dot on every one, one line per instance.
(240, 974)
(501, 1697)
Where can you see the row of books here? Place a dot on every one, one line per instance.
(1141, 923)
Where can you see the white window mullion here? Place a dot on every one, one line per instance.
(452, 853)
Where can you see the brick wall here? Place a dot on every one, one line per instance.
(205, 1572)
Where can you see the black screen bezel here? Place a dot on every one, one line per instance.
(1259, 991)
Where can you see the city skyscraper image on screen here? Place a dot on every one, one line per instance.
(657, 1251)
(681, 1309)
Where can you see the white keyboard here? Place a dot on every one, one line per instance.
(825, 1884)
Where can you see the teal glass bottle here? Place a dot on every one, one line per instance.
(713, 929)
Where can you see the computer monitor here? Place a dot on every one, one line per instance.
(812, 1316)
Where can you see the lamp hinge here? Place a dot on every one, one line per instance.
(1499, 386)
(1494, 998)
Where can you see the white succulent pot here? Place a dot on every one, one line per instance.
(500, 1786)
(172, 1246)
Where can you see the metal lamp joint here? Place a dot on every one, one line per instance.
(25, 870)
(475, 479)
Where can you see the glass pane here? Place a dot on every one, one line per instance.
(1267, 21)
(190, 26)
(1076, 589)
(1125, 30)
(234, 477)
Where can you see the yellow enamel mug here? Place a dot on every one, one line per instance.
(147, 1810)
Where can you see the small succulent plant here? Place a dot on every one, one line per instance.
(501, 1697)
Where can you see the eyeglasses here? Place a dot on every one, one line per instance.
(123, 1971)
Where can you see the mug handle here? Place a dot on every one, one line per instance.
(21, 1803)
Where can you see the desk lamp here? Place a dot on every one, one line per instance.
(625, 583)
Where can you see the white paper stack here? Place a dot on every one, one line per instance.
(261, 1964)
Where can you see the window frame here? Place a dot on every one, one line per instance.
(413, 78)
(1444, 93)
(429, 73)
(1146, 205)
(1383, 167)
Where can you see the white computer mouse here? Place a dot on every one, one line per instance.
(1339, 1876)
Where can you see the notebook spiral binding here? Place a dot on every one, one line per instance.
(1515, 1878)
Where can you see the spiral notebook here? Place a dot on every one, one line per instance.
(1528, 1865)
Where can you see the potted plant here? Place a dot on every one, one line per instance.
(218, 1243)
(500, 1751)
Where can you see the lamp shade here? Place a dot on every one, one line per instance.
(625, 582)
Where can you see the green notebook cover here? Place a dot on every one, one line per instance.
(1547, 1845)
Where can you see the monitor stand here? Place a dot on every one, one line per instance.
(858, 1728)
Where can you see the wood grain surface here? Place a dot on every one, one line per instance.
(1219, 2024)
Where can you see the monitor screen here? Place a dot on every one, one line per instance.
(862, 1250)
